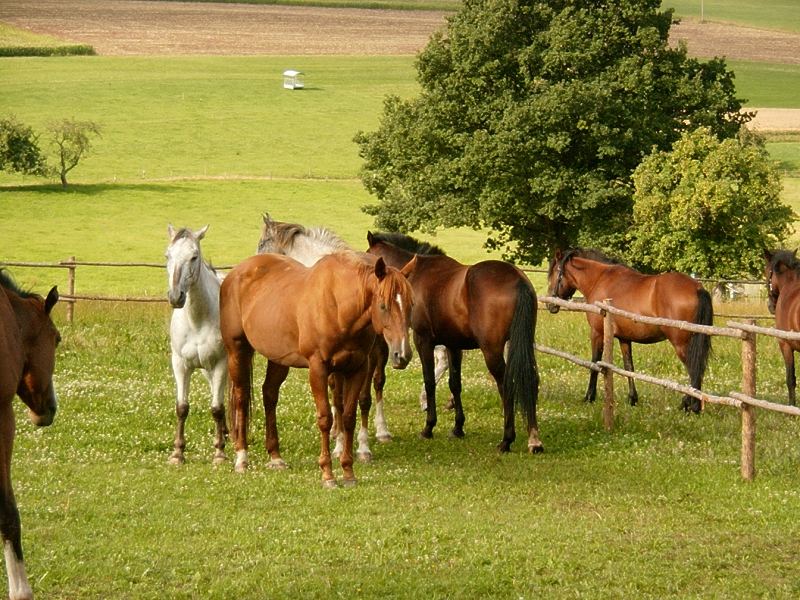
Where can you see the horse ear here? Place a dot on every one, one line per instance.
(170, 232)
(558, 254)
(201, 234)
(267, 218)
(50, 301)
(370, 238)
(409, 267)
(380, 269)
(767, 255)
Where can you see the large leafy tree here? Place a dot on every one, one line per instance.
(531, 118)
(708, 207)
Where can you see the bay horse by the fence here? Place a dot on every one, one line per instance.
(483, 306)
(28, 340)
(668, 295)
(307, 245)
(783, 281)
(324, 318)
(194, 333)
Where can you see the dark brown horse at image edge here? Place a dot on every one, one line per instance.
(486, 306)
(667, 295)
(322, 318)
(28, 341)
(782, 270)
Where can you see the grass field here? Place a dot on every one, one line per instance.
(655, 509)
(765, 14)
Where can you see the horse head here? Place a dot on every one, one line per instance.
(184, 261)
(781, 267)
(36, 384)
(391, 309)
(559, 282)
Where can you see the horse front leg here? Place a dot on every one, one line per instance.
(276, 374)
(182, 381)
(380, 356)
(318, 380)
(10, 529)
(626, 348)
(597, 354)
(454, 357)
(425, 350)
(788, 361)
(354, 383)
(218, 380)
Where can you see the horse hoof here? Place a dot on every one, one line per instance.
(240, 467)
(457, 433)
(503, 447)
(219, 459)
(535, 448)
(349, 483)
(365, 457)
(384, 438)
(176, 459)
(426, 435)
(329, 484)
(278, 464)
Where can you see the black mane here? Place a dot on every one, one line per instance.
(406, 242)
(8, 282)
(593, 254)
(785, 257)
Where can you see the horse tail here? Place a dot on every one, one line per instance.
(700, 343)
(521, 379)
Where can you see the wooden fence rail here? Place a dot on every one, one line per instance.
(744, 399)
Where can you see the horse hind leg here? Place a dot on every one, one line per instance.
(788, 361)
(217, 381)
(454, 381)
(276, 374)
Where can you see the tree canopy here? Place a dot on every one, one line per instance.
(707, 207)
(532, 117)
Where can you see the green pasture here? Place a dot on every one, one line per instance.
(764, 14)
(217, 140)
(654, 509)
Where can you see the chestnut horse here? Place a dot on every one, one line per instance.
(783, 281)
(667, 295)
(28, 341)
(487, 305)
(324, 318)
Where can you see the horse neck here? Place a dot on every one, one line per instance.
(587, 274)
(202, 297)
(394, 256)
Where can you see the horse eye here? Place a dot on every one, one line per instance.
(383, 306)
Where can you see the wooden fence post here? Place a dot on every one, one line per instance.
(608, 376)
(748, 411)
(71, 289)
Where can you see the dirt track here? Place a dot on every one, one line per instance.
(115, 27)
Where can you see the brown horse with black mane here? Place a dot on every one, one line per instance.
(28, 341)
(323, 318)
(667, 295)
(782, 270)
(487, 305)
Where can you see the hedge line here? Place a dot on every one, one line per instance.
(77, 50)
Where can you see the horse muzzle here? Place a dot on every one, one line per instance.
(177, 300)
(46, 415)
(400, 357)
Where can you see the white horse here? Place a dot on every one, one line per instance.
(308, 245)
(194, 333)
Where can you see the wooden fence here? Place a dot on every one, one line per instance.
(744, 399)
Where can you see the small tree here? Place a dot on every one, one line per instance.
(19, 149)
(708, 207)
(72, 140)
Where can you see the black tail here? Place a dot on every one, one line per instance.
(700, 343)
(521, 380)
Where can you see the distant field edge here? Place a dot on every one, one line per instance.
(26, 51)
(433, 5)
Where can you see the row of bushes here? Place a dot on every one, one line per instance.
(75, 50)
